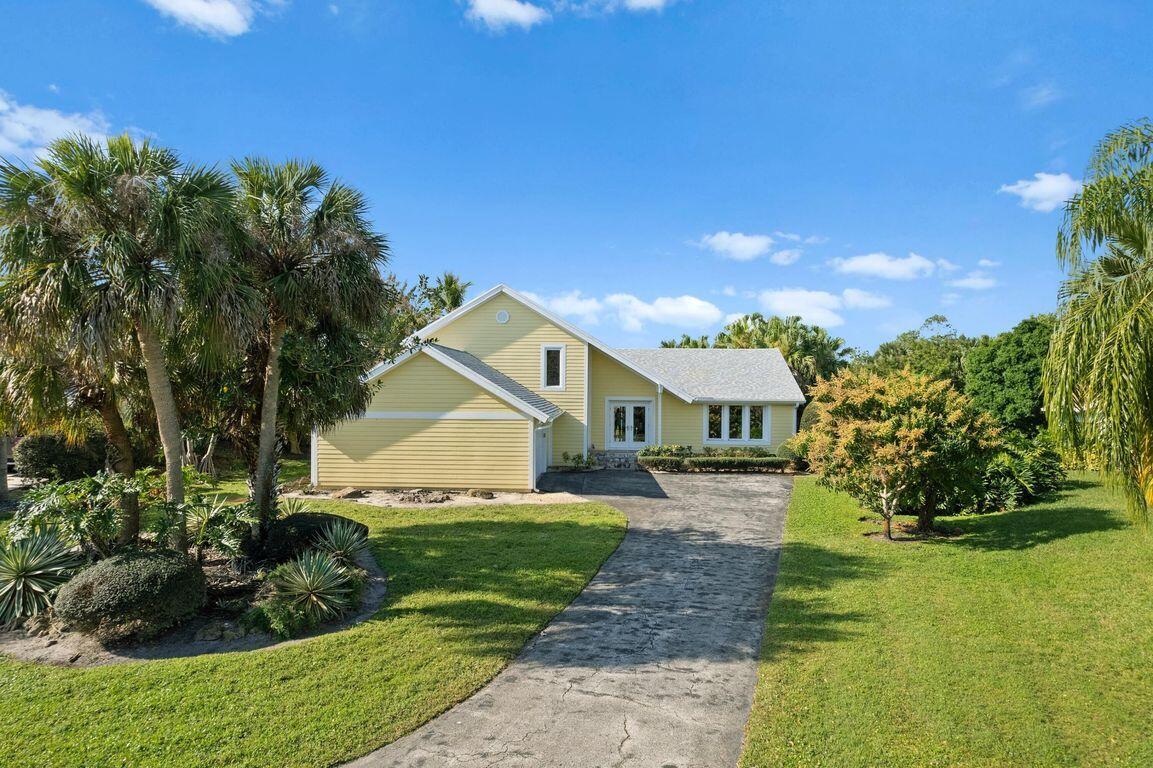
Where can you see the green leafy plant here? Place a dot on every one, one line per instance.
(216, 524)
(673, 449)
(661, 463)
(344, 540)
(316, 585)
(579, 460)
(736, 463)
(52, 457)
(291, 505)
(30, 571)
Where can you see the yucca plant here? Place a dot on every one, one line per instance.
(30, 570)
(344, 540)
(291, 505)
(316, 585)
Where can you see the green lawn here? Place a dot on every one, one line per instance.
(468, 587)
(1025, 641)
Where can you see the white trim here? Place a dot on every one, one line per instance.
(544, 350)
(660, 412)
(588, 400)
(313, 459)
(650, 412)
(744, 440)
(564, 325)
(446, 415)
(532, 456)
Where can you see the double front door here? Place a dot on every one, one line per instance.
(630, 424)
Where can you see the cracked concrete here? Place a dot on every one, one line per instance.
(654, 664)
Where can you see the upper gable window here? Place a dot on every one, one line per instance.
(552, 365)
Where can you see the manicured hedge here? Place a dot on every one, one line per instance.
(736, 464)
(662, 463)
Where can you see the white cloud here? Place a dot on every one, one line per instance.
(988, 263)
(855, 298)
(1040, 95)
(1045, 192)
(586, 309)
(786, 257)
(793, 236)
(947, 266)
(949, 299)
(819, 307)
(54, 88)
(223, 18)
(728, 290)
(733, 317)
(816, 240)
(975, 281)
(888, 267)
(737, 245)
(500, 14)
(680, 311)
(25, 130)
(646, 5)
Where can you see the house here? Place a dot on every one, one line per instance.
(502, 389)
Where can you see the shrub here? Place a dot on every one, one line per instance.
(134, 594)
(214, 523)
(51, 457)
(291, 505)
(662, 463)
(736, 463)
(345, 540)
(291, 536)
(30, 571)
(305, 592)
(793, 450)
(1024, 472)
(682, 451)
(744, 451)
(579, 460)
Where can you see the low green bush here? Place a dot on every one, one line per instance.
(741, 451)
(30, 571)
(291, 536)
(136, 594)
(661, 463)
(51, 457)
(736, 464)
(792, 450)
(344, 540)
(1027, 470)
(682, 451)
(304, 593)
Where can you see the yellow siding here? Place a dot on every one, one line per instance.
(404, 453)
(423, 384)
(682, 422)
(784, 424)
(608, 378)
(514, 349)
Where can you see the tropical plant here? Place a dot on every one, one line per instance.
(900, 444)
(936, 350)
(291, 505)
(1003, 374)
(316, 585)
(447, 293)
(30, 571)
(313, 253)
(1099, 373)
(213, 523)
(54, 457)
(345, 540)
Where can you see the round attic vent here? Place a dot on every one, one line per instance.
(502, 316)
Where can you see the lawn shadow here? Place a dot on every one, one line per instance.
(604, 482)
(1035, 525)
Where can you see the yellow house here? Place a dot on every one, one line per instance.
(501, 389)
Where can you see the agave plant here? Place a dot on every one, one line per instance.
(344, 540)
(30, 570)
(316, 585)
(291, 505)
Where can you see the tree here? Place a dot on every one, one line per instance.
(312, 253)
(1003, 374)
(900, 444)
(447, 294)
(687, 342)
(936, 349)
(134, 236)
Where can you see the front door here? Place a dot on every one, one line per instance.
(629, 424)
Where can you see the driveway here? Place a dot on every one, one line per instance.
(654, 664)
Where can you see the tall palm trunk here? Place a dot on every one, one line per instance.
(122, 463)
(3, 467)
(266, 450)
(167, 418)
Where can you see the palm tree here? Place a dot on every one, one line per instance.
(313, 252)
(118, 238)
(1098, 378)
(447, 294)
(811, 351)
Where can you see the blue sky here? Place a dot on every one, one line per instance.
(647, 167)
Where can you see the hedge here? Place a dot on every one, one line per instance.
(662, 463)
(736, 464)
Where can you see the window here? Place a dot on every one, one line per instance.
(732, 423)
(552, 364)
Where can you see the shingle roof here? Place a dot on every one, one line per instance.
(723, 374)
(510, 386)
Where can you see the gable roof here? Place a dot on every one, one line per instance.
(497, 384)
(615, 354)
(723, 374)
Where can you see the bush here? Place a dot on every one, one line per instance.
(1025, 471)
(793, 450)
(214, 523)
(736, 464)
(290, 536)
(579, 460)
(344, 540)
(51, 457)
(682, 451)
(30, 571)
(744, 452)
(305, 592)
(661, 463)
(136, 594)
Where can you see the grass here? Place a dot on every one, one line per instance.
(1027, 640)
(467, 588)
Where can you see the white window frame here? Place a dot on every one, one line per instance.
(766, 425)
(544, 350)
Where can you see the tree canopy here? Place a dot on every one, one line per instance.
(1003, 374)
(936, 350)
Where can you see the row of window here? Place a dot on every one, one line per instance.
(736, 423)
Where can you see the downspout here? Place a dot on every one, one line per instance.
(315, 466)
(660, 413)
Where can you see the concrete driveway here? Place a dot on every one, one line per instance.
(654, 664)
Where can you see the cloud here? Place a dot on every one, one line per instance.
(947, 266)
(1045, 192)
(988, 263)
(680, 311)
(949, 299)
(587, 309)
(220, 18)
(793, 236)
(975, 281)
(819, 307)
(728, 290)
(786, 257)
(736, 245)
(1040, 95)
(885, 266)
(25, 130)
(646, 5)
(733, 317)
(816, 240)
(498, 15)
